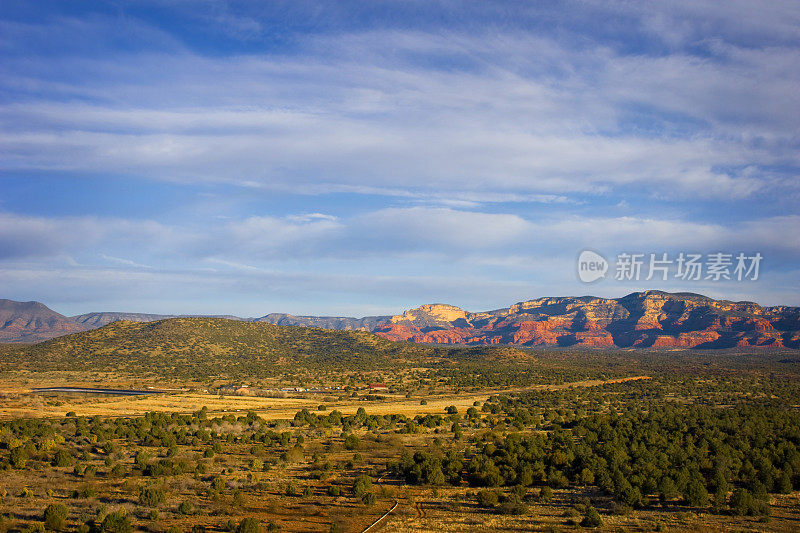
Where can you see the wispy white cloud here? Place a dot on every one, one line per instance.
(447, 233)
(123, 261)
(523, 116)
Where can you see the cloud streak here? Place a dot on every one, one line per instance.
(390, 232)
(519, 115)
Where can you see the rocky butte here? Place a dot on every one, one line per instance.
(650, 319)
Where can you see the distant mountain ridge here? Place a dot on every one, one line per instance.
(33, 322)
(367, 323)
(649, 319)
(98, 320)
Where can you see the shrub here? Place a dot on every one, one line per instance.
(435, 476)
(116, 522)
(142, 458)
(62, 458)
(151, 496)
(488, 498)
(368, 499)
(54, 516)
(249, 525)
(557, 479)
(513, 508)
(291, 489)
(591, 518)
(86, 492)
(621, 509)
(743, 503)
(362, 485)
(218, 484)
(351, 442)
(294, 455)
(19, 457)
(334, 490)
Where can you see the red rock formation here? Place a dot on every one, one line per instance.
(647, 319)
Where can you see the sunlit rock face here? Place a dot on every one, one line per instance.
(643, 319)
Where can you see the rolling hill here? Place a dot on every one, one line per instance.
(198, 348)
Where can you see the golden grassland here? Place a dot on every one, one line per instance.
(19, 401)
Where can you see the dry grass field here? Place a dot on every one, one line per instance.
(18, 401)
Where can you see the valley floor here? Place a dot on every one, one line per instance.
(635, 443)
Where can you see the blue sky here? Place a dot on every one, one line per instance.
(356, 158)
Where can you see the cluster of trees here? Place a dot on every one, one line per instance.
(632, 443)
(361, 419)
(63, 443)
(483, 373)
(424, 467)
(92, 452)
